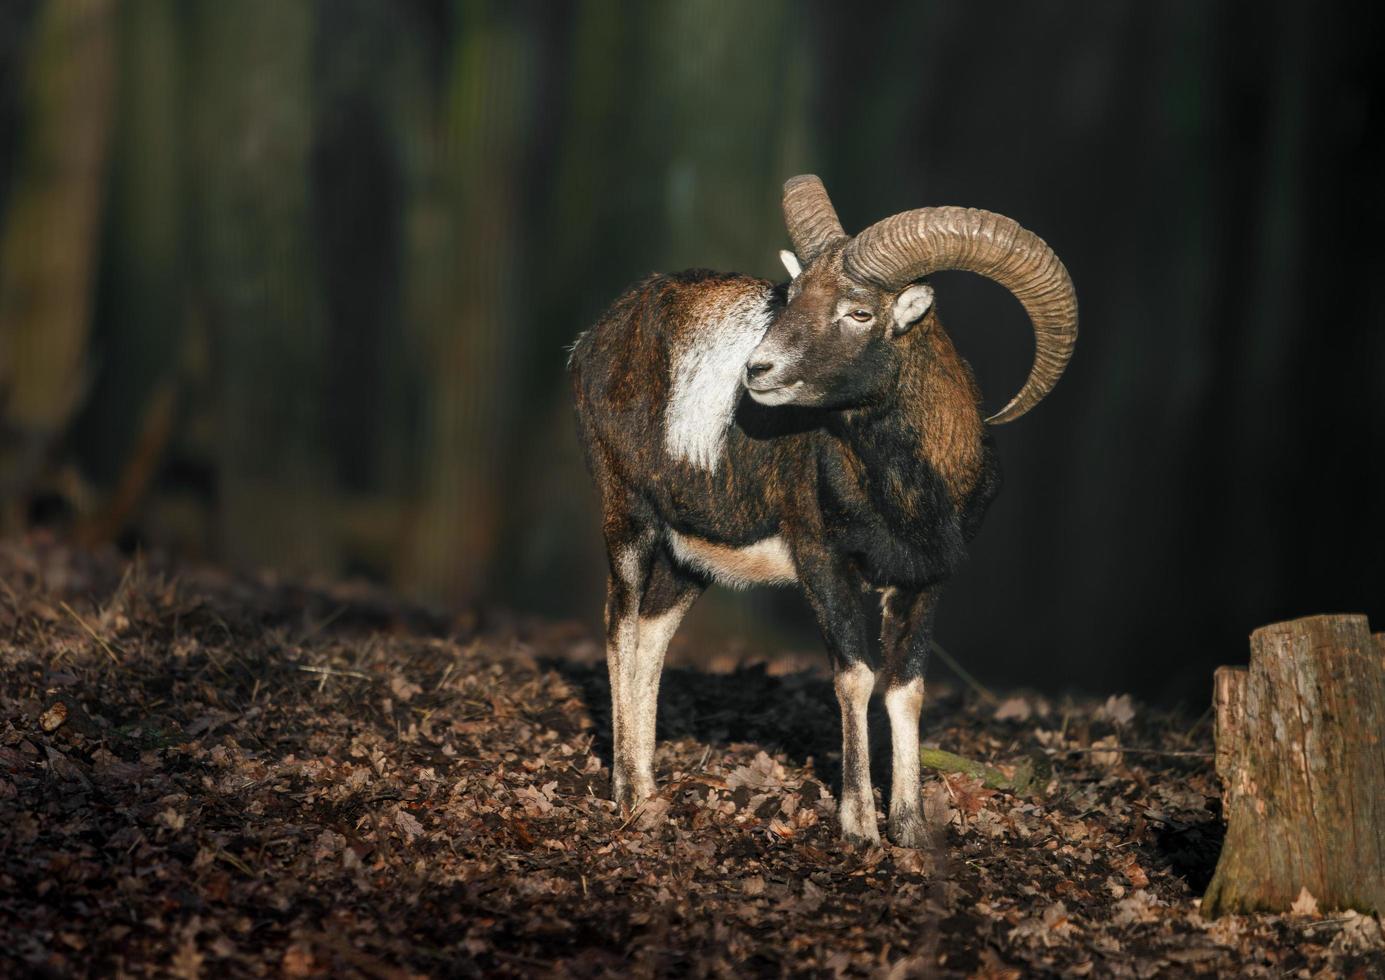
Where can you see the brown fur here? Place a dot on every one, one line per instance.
(939, 393)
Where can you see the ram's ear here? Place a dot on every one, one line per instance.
(790, 263)
(910, 307)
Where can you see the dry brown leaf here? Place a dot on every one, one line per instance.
(1013, 709)
(1108, 753)
(298, 961)
(1118, 710)
(968, 793)
(53, 717)
(1305, 904)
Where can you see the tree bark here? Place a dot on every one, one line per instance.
(51, 239)
(1301, 755)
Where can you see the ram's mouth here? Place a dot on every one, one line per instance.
(778, 395)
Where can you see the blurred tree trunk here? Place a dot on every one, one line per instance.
(369, 78)
(250, 133)
(727, 112)
(49, 248)
(138, 319)
(462, 297)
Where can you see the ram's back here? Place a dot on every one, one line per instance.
(658, 377)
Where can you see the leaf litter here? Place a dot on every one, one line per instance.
(207, 774)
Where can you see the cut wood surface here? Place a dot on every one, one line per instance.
(1301, 755)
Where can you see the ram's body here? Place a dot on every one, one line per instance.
(822, 433)
(730, 485)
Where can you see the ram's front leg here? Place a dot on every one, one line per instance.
(854, 683)
(833, 593)
(906, 634)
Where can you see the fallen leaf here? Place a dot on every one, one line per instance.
(1014, 709)
(297, 961)
(53, 717)
(968, 792)
(1108, 754)
(407, 824)
(653, 813)
(1305, 904)
(762, 773)
(1118, 710)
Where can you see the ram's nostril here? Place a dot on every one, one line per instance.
(756, 368)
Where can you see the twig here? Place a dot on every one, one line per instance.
(14, 599)
(317, 628)
(964, 674)
(523, 960)
(1328, 922)
(1188, 735)
(333, 671)
(91, 632)
(1121, 748)
(236, 863)
(633, 814)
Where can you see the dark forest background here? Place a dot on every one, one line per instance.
(288, 285)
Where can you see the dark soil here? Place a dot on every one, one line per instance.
(203, 774)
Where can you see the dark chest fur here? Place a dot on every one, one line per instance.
(886, 507)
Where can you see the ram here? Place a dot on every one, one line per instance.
(822, 432)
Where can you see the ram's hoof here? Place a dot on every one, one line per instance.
(910, 830)
(862, 841)
(629, 793)
(858, 825)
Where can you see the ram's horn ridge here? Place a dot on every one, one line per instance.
(908, 246)
(811, 219)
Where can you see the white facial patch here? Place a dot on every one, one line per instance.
(706, 379)
(766, 562)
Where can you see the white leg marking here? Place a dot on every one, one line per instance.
(857, 811)
(622, 659)
(904, 703)
(643, 698)
(621, 655)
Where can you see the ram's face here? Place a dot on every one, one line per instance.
(836, 344)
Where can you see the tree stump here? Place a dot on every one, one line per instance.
(1301, 756)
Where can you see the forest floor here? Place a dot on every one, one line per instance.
(206, 774)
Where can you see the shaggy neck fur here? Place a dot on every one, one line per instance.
(935, 402)
(706, 379)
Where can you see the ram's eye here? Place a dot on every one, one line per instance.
(861, 316)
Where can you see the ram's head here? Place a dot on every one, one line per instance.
(853, 303)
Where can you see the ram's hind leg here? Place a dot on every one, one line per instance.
(631, 551)
(906, 634)
(668, 595)
(646, 599)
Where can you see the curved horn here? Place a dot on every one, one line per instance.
(810, 217)
(894, 252)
